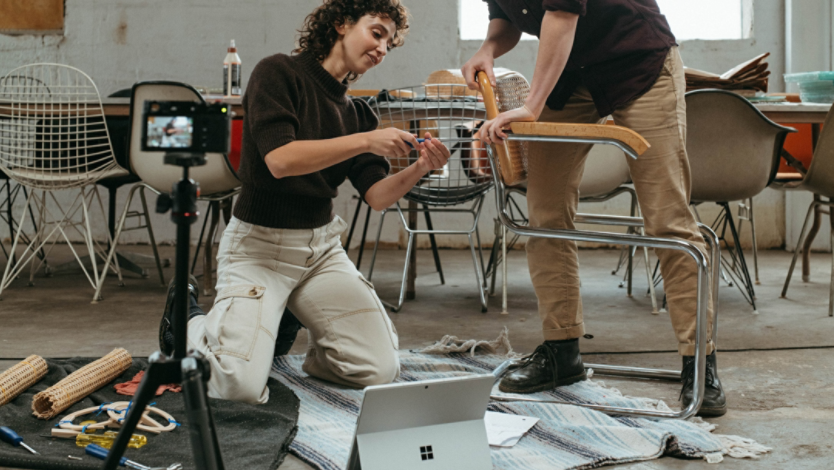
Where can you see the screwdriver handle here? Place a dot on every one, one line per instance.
(9, 436)
(101, 453)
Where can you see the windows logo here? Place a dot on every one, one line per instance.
(426, 453)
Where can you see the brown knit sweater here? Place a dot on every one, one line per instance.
(293, 98)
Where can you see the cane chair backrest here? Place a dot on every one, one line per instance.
(511, 89)
(733, 149)
(53, 133)
(215, 177)
(452, 114)
(820, 176)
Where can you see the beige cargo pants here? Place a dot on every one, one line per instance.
(662, 180)
(260, 271)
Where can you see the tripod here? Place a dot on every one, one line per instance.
(191, 370)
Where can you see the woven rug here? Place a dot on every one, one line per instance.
(566, 437)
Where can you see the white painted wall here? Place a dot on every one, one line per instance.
(119, 42)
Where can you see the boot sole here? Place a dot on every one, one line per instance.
(712, 412)
(544, 387)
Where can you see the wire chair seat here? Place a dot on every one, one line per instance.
(53, 133)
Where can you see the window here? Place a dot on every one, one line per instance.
(703, 19)
(474, 20)
(689, 19)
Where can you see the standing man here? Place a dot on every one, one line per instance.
(598, 58)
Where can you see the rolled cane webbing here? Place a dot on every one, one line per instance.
(20, 377)
(509, 93)
(80, 383)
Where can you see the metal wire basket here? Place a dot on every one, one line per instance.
(452, 113)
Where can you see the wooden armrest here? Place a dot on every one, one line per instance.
(591, 131)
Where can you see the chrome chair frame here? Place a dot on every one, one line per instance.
(631, 240)
(475, 211)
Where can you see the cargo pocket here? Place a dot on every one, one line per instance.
(233, 326)
(392, 330)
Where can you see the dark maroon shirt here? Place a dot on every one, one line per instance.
(618, 52)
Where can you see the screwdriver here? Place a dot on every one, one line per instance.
(107, 439)
(101, 453)
(7, 435)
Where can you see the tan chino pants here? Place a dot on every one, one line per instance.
(662, 180)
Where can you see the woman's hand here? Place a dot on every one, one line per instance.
(433, 155)
(390, 142)
(493, 130)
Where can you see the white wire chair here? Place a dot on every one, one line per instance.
(452, 113)
(53, 137)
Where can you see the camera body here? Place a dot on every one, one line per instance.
(186, 127)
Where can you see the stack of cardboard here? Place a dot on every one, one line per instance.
(751, 75)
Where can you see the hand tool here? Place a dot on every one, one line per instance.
(418, 140)
(101, 453)
(7, 435)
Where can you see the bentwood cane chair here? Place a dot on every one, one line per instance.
(819, 180)
(445, 111)
(218, 180)
(508, 163)
(54, 138)
(606, 176)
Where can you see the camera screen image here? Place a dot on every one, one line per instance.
(166, 132)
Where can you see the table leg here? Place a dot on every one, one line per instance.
(815, 228)
(410, 291)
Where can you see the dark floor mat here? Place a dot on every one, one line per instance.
(251, 437)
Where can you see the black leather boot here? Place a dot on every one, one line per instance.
(166, 336)
(552, 364)
(715, 403)
(287, 332)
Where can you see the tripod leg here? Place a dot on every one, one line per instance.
(158, 373)
(204, 442)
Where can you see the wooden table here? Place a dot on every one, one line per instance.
(120, 107)
(802, 113)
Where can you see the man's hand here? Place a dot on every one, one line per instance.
(480, 62)
(390, 142)
(434, 155)
(493, 130)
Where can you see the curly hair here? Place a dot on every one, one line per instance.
(318, 35)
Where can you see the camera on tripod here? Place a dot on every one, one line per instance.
(186, 127)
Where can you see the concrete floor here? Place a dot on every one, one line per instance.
(777, 366)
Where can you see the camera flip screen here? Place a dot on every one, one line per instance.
(186, 127)
(170, 132)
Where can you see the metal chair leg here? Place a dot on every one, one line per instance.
(376, 244)
(798, 250)
(151, 236)
(478, 273)
(364, 237)
(399, 306)
(755, 242)
(433, 242)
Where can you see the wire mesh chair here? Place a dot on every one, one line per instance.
(508, 160)
(452, 113)
(53, 137)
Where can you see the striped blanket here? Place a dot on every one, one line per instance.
(566, 437)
